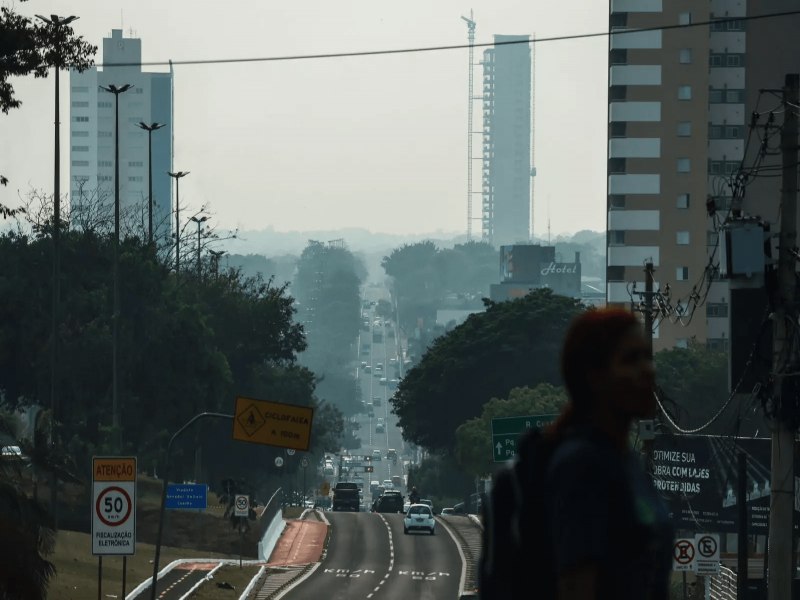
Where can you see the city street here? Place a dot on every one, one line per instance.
(370, 557)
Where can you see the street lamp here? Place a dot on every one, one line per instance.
(150, 129)
(177, 176)
(216, 254)
(116, 90)
(56, 23)
(199, 222)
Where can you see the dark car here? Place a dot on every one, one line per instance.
(389, 503)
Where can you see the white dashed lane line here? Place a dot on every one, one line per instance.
(391, 557)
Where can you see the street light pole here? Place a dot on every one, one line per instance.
(115, 420)
(56, 22)
(150, 129)
(177, 177)
(216, 254)
(199, 222)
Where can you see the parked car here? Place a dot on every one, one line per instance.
(448, 511)
(419, 517)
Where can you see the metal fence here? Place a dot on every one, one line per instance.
(722, 586)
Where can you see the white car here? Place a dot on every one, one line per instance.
(376, 455)
(419, 517)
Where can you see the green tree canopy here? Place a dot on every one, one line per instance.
(513, 344)
(473, 449)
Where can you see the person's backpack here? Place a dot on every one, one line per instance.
(517, 558)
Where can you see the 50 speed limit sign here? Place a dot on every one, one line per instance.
(113, 505)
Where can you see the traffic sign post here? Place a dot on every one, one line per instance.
(707, 551)
(113, 506)
(187, 496)
(683, 555)
(241, 505)
(273, 423)
(506, 432)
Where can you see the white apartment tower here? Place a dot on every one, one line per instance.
(92, 137)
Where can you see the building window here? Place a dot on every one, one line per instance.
(103, 134)
(616, 238)
(104, 104)
(714, 132)
(717, 310)
(619, 129)
(79, 89)
(80, 163)
(618, 57)
(682, 343)
(135, 163)
(733, 132)
(685, 56)
(80, 134)
(682, 273)
(616, 165)
(733, 60)
(685, 92)
(104, 178)
(137, 90)
(684, 129)
(80, 119)
(684, 165)
(80, 148)
(618, 19)
(615, 273)
(734, 96)
(717, 344)
(716, 60)
(712, 238)
(616, 201)
(714, 96)
(135, 178)
(79, 104)
(105, 163)
(734, 25)
(618, 92)
(682, 238)
(685, 18)
(682, 201)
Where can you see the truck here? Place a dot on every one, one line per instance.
(397, 481)
(346, 496)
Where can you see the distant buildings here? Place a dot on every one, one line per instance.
(506, 174)
(681, 101)
(526, 267)
(92, 135)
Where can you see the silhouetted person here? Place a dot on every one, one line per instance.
(611, 534)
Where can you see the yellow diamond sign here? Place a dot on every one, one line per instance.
(272, 423)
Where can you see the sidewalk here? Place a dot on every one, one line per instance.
(301, 543)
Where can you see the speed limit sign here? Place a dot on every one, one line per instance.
(241, 506)
(114, 505)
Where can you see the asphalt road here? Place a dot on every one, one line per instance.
(370, 558)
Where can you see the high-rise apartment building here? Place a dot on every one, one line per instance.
(92, 137)
(506, 175)
(679, 107)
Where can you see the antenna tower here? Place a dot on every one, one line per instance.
(471, 36)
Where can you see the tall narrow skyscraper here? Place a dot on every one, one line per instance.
(92, 136)
(506, 177)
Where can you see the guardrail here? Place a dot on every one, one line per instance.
(270, 525)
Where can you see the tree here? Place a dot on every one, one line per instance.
(473, 450)
(30, 47)
(694, 385)
(512, 344)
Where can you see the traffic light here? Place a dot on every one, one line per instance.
(369, 469)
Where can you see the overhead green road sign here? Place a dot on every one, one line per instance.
(507, 430)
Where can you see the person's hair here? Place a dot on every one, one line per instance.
(591, 341)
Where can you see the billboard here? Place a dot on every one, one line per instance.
(697, 477)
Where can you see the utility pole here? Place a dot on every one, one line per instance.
(177, 177)
(115, 416)
(781, 510)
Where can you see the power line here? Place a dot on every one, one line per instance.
(538, 40)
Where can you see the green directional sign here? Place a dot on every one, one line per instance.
(507, 430)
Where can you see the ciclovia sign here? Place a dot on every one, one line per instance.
(114, 505)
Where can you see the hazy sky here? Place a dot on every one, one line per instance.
(375, 142)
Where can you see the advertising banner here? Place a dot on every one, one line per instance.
(697, 478)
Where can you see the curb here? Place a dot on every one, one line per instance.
(476, 521)
(249, 589)
(463, 580)
(137, 591)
